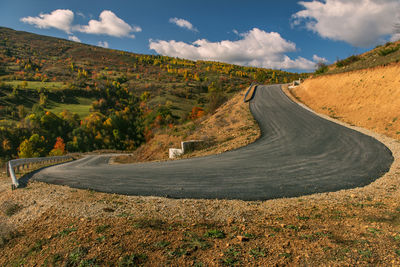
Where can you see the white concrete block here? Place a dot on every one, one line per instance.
(175, 152)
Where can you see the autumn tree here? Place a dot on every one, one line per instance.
(59, 148)
(197, 112)
(32, 147)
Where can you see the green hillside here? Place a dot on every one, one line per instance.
(97, 98)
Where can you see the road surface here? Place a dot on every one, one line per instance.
(298, 154)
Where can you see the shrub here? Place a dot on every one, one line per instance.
(387, 51)
(215, 100)
(321, 68)
(347, 61)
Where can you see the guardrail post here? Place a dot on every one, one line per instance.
(20, 165)
(12, 175)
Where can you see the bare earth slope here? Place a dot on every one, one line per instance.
(367, 98)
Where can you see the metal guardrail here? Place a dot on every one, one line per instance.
(25, 163)
(250, 92)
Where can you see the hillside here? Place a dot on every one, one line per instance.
(369, 98)
(230, 127)
(381, 55)
(99, 98)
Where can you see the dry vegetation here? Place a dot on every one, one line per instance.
(367, 98)
(382, 55)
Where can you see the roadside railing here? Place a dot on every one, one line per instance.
(250, 92)
(21, 164)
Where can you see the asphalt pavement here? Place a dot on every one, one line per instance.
(299, 153)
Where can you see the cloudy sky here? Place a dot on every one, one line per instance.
(290, 35)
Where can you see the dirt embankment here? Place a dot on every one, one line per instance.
(367, 98)
(230, 127)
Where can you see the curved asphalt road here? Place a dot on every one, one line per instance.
(299, 153)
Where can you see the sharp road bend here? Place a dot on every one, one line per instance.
(299, 153)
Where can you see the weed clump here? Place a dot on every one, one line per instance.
(215, 234)
(133, 260)
(10, 208)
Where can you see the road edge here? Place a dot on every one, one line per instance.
(391, 144)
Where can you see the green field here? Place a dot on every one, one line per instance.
(179, 106)
(82, 107)
(36, 85)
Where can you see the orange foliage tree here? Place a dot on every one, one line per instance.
(197, 112)
(59, 148)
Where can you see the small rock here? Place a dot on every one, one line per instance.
(242, 238)
(108, 210)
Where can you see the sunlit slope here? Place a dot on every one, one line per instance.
(369, 98)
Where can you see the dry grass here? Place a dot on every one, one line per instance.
(380, 56)
(367, 98)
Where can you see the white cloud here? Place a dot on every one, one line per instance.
(74, 38)
(109, 24)
(182, 23)
(360, 22)
(80, 14)
(319, 59)
(255, 48)
(103, 44)
(60, 19)
(395, 37)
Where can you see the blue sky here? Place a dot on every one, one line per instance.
(287, 34)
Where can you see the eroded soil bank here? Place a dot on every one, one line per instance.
(367, 98)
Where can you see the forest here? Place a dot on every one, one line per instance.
(59, 96)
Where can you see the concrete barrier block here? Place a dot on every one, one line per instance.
(191, 145)
(175, 152)
(186, 146)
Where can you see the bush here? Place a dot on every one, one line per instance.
(347, 61)
(215, 100)
(387, 51)
(321, 68)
